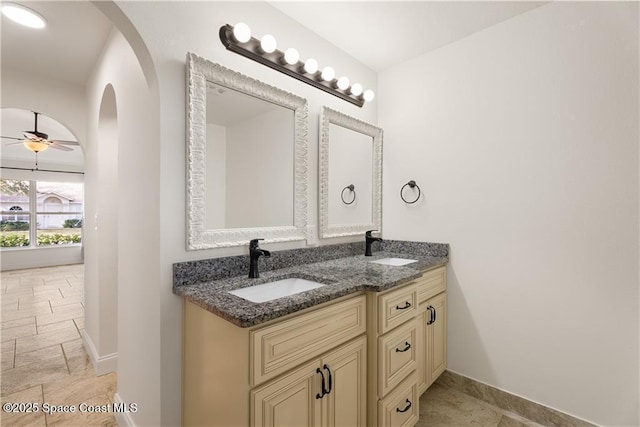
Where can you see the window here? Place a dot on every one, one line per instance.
(50, 213)
(59, 213)
(14, 197)
(17, 217)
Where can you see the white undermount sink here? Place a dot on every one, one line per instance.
(274, 290)
(394, 261)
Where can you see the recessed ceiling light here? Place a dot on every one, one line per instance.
(23, 15)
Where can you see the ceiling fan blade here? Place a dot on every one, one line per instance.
(11, 137)
(13, 143)
(57, 141)
(31, 136)
(60, 147)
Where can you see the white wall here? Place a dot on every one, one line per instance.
(35, 92)
(350, 162)
(21, 89)
(170, 30)
(132, 204)
(524, 140)
(216, 176)
(260, 171)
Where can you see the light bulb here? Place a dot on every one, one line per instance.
(268, 43)
(356, 89)
(311, 66)
(242, 32)
(35, 146)
(23, 15)
(291, 56)
(328, 74)
(368, 95)
(343, 83)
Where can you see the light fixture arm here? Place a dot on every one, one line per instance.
(251, 49)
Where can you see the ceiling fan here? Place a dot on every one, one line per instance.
(38, 141)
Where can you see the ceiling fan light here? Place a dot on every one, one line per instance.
(35, 146)
(23, 15)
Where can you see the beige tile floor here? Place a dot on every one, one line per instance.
(442, 406)
(43, 360)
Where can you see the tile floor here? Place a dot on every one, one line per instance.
(443, 406)
(43, 360)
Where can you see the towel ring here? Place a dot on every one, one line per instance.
(411, 184)
(353, 190)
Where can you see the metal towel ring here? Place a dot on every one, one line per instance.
(353, 190)
(411, 184)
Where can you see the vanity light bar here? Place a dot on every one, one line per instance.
(238, 39)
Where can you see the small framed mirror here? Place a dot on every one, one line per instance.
(350, 175)
(246, 159)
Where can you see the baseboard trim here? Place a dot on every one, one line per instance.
(101, 364)
(533, 411)
(122, 418)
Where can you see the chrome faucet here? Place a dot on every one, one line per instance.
(368, 239)
(254, 255)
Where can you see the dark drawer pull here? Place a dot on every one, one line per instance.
(431, 315)
(407, 304)
(407, 347)
(406, 408)
(320, 396)
(330, 385)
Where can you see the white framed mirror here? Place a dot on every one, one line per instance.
(350, 175)
(247, 155)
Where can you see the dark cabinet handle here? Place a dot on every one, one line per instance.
(434, 314)
(407, 304)
(320, 396)
(431, 315)
(406, 408)
(330, 379)
(407, 347)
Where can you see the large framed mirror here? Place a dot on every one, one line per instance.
(350, 175)
(247, 160)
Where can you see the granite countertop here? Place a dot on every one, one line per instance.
(342, 276)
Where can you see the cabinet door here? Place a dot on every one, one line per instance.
(345, 405)
(437, 336)
(291, 400)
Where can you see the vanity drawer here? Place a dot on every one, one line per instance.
(432, 283)
(277, 348)
(397, 356)
(400, 408)
(396, 307)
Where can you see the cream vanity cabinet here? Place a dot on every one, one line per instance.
(306, 369)
(432, 327)
(406, 348)
(393, 356)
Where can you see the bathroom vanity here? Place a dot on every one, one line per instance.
(357, 351)
(320, 335)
